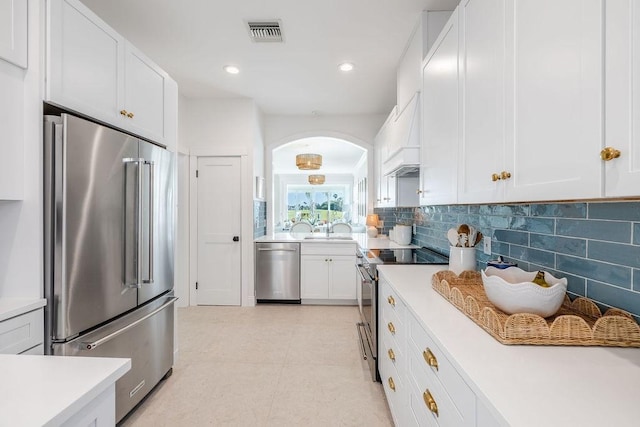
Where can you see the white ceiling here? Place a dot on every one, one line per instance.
(193, 39)
(338, 156)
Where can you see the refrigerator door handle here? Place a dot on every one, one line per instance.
(137, 224)
(151, 215)
(90, 345)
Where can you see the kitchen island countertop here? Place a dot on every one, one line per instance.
(526, 385)
(48, 390)
(363, 241)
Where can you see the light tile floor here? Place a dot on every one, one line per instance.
(270, 365)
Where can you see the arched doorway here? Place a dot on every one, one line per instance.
(342, 197)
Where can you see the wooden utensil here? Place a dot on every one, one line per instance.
(452, 235)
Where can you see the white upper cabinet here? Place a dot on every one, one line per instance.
(14, 85)
(384, 184)
(482, 138)
(553, 99)
(439, 147)
(94, 71)
(84, 61)
(622, 104)
(13, 31)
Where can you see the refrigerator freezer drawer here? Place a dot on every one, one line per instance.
(145, 336)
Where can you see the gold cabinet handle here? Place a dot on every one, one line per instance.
(123, 112)
(418, 191)
(392, 385)
(391, 354)
(392, 328)
(130, 115)
(391, 300)
(609, 153)
(430, 402)
(502, 175)
(430, 358)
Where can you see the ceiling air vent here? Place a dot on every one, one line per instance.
(265, 31)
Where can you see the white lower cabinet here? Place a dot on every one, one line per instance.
(23, 334)
(392, 365)
(423, 388)
(328, 273)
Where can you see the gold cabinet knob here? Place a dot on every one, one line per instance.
(123, 112)
(391, 328)
(505, 175)
(495, 177)
(430, 358)
(392, 355)
(392, 385)
(430, 402)
(391, 300)
(609, 153)
(130, 115)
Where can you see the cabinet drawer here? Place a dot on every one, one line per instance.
(21, 333)
(391, 325)
(449, 411)
(430, 365)
(328, 249)
(394, 388)
(393, 352)
(390, 301)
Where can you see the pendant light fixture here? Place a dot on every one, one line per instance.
(316, 179)
(308, 161)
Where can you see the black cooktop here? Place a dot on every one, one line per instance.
(406, 256)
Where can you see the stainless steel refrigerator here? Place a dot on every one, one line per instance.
(109, 236)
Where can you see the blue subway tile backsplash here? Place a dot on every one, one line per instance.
(612, 231)
(259, 219)
(596, 246)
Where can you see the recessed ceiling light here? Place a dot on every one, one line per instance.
(231, 69)
(346, 66)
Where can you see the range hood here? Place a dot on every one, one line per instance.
(403, 150)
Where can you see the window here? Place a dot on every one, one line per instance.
(318, 204)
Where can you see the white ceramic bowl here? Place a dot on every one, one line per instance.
(512, 291)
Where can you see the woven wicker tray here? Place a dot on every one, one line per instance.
(579, 322)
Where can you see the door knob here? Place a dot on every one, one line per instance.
(609, 153)
(236, 238)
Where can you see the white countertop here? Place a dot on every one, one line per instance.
(11, 307)
(527, 385)
(361, 239)
(47, 390)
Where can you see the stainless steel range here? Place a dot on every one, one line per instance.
(368, 260)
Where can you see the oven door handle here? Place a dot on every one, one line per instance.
(362, 272)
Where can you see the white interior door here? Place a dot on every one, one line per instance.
(219, 209)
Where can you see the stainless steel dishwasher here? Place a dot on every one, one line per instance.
(277, 272)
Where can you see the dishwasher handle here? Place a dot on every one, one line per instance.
(90, 345)
(276, 250)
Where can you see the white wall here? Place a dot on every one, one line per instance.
(21, 231)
